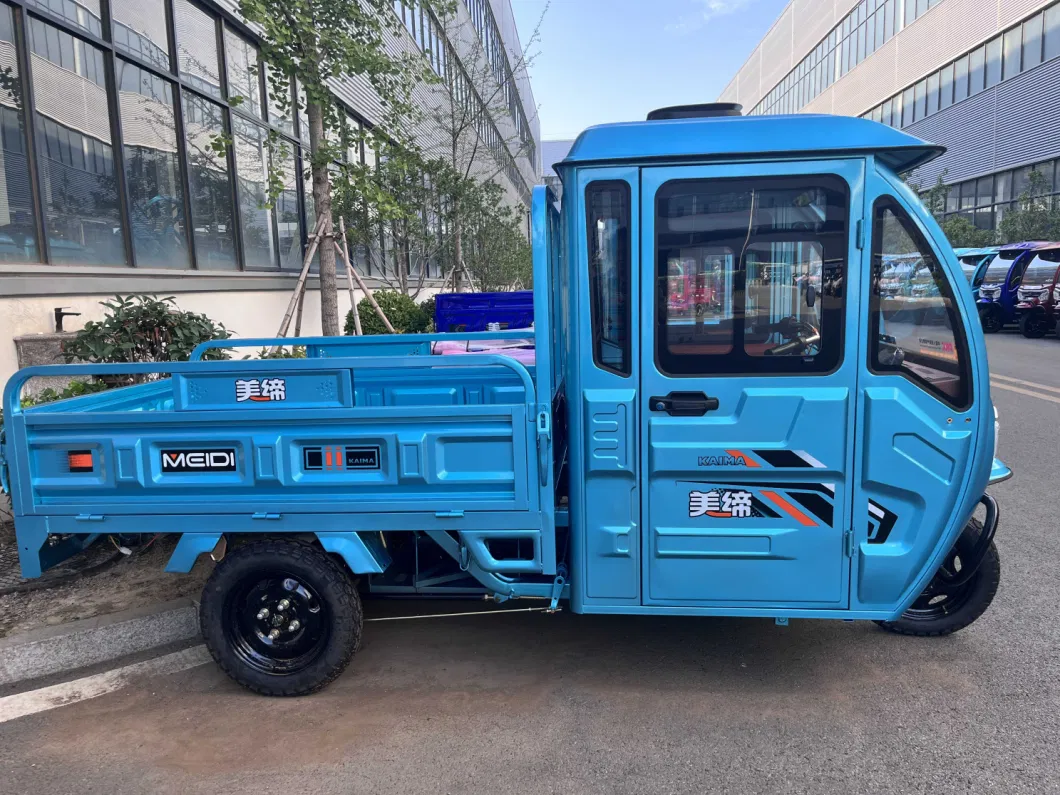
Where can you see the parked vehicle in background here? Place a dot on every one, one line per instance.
(998, 297)
(974, 262)
(1039, 292)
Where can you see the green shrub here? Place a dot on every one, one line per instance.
(142, 328)
(73, 389)
(400, 309)
(427, 307)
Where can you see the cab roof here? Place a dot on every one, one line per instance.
(759, 136)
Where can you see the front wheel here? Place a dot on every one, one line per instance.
(1033, 325)
(943, 610)
(281, 617)
(991, 320)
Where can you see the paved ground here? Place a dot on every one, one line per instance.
(573, 704)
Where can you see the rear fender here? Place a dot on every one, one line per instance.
(363, 554)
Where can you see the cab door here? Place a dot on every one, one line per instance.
(920, 418)
(747, 389)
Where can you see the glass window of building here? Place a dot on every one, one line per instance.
(960, 79)
(1013, 52)
(933, 94)
(993, 62)
(1003, 187)
(255, 219)
(907, 107)
(197, 47)
(210, 188)
(920, 100)
(1032, 42)
(84, 14)
(288, 218)
(244, 79)
(968, 195)
(984, 191)
(953, 199)
(1052, 32)
(18, 240)
(75, 155)
(946, 86)
(140, 30)
(1021, 181)
(976, 71)
(152, 169)
(281, 102)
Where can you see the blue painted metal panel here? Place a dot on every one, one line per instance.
(785, 556)
(751, 136)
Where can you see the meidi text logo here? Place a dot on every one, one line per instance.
(198, 460)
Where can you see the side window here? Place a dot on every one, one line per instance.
(915, 327)
(608, 234)
(749, 275)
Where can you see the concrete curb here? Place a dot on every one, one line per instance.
(78, 644)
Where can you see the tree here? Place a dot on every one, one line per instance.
(497, 252)
(478, 89)
(313, 42)
(1036, 216)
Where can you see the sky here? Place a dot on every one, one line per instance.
(599, 61)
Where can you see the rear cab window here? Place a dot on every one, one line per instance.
(915, 327)
(608, 233)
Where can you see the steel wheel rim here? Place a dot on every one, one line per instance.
(253, 638)
(940, 599)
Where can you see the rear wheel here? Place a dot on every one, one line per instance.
(942, 609)
(991, 320)
(1033, 325)
(281, 617)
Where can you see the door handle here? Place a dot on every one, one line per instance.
(684, 404)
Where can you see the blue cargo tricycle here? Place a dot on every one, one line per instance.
(805, 442)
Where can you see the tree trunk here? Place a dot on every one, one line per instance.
(458, 252)
(329, 294)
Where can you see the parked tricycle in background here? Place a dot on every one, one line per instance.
(1038, 293)
(998, 298)
(974, 262)
(797, 439)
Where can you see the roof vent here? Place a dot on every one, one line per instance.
(706, 111)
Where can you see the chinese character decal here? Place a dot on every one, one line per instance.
(260, 390)
(721, 503)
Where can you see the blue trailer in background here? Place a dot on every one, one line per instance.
(460, 312)
(800, 443)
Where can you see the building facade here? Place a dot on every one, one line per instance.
(111, 182)
(981, 77)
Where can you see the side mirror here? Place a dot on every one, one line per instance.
(811, 295)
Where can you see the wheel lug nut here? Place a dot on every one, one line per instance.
(274, 634)
(283, 604)
(293, 626)
(263, 614)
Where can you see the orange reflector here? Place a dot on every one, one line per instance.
(80, 460)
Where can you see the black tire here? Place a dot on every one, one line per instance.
(991, 320)
(940, 613)
(256, 577)
(1033, 325)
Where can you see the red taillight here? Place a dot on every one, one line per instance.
(80, 460)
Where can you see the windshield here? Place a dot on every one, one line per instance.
(968, 265)
(999, 266)
(1041, 270)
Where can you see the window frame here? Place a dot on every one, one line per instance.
(627, 266)
(906, 219)
(761, 366)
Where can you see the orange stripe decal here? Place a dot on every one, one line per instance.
(750, 462)
(787, 507)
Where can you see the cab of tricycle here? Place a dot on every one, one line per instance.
(974, 262)
(814, 439)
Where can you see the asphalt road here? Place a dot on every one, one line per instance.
(577, 704)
